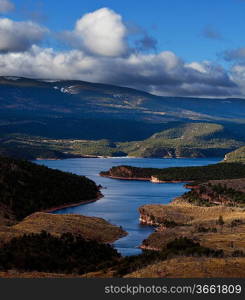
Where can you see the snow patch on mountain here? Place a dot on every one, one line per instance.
(72, 90)
(11, 78)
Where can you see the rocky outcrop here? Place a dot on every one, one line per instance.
(147, 220)
(155, 180)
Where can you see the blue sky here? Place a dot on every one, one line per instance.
(199, 33)
(176, 24)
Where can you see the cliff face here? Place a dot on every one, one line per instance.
(147, 220)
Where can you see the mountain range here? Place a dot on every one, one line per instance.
(37, 110)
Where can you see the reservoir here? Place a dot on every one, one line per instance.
(122, 198)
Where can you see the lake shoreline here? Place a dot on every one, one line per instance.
(123, 198)
(76, 156)
(54, 209)
(146, 179)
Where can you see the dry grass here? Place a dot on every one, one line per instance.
(189, 267)
(235, 184)
(17, 274)
(183, 212)
(227, 237)
(88, 227)
(109, 273)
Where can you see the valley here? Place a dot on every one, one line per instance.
(81, 130)
(183, 140)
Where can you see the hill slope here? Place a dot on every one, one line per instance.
(190, 267)
(90, 228)
(236, 156)
(77, 109)
(26, 188)
(186, 140)
(182, 140)
(60, 119)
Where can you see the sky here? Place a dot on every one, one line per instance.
(166, 47)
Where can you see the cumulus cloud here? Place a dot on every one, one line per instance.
(101, 32)
(235, 54)
(163, 73)
(238, 75)
(146, 43)
(19, 36)
(6, 6)
(102, 55)
(237, 72)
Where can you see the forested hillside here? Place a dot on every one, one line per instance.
(177, 140)
(46, 253)
(187, 140)
(203, 173)
(26, 187)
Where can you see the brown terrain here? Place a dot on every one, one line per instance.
(219, 225)
(191, 267)
(17, 274)
(198, 223)
(88, 227)
(236, 184)
(213, 219)
(216, 192)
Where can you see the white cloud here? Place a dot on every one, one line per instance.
(46, 63)
(238, 76)
(235, 54)
(102, 55)
(19, 36)
(101, 32)
(6, 6)
(200, 67)
(163, 73)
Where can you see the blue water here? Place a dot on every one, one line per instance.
(121, 198)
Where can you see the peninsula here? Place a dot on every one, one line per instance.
(178, 174)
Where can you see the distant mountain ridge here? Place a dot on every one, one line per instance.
(182, 140)
(117, 121)
(187, 140)
(78, 98)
